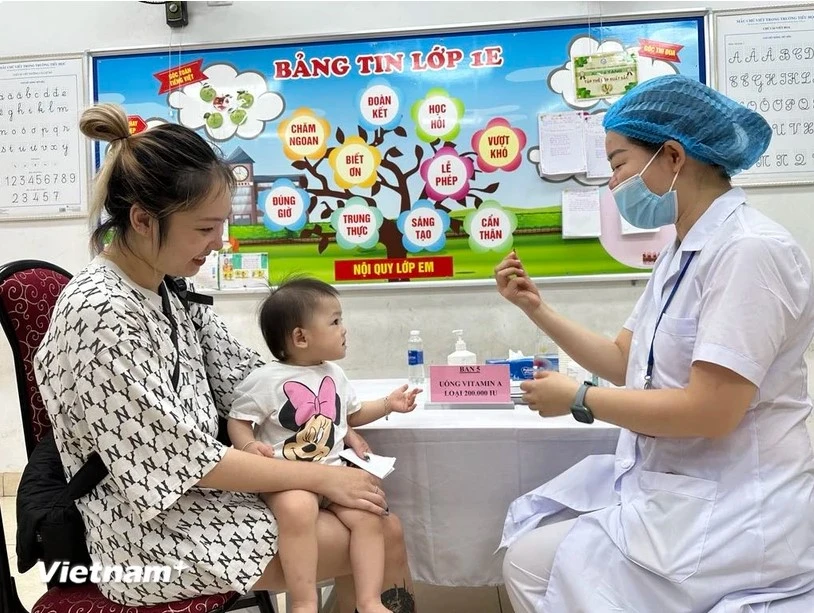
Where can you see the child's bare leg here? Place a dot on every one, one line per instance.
(296, 512)
(366, 556)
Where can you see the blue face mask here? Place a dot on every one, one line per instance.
(642, 208)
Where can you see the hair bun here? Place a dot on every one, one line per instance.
(105, 122)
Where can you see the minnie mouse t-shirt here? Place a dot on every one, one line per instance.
(301, 410)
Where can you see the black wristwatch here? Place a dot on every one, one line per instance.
(578, 409)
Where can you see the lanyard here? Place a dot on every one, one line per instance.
(167, 309)
(648, 379)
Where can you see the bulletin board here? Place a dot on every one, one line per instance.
(765, 61)
(43, 157)
(403, 157)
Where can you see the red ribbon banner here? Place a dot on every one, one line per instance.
(175, 78)
(136, 124)
(659, 51)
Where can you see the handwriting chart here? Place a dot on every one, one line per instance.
(765, 61)
(42, 153)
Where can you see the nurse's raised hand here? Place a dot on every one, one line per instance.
(514, 284)
(549, 393)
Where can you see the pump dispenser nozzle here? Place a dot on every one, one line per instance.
(461, 355)
(460, 345)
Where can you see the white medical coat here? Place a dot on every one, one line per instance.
(690, 525)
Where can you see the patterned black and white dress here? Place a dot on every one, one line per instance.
(105, 370)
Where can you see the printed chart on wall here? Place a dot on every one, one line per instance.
(765, 61)
(418, 157)
(43, 157)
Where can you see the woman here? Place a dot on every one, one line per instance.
(127, 371)
(708, 504)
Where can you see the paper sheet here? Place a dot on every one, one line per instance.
(580, 214)
(562, 143)
(378, 465)
(596, 159)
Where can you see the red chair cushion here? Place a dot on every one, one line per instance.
(88, 599)
(28, 298)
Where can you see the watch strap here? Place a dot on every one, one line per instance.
(578, 409)
(579, 399)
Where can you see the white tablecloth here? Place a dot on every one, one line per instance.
(458, 470)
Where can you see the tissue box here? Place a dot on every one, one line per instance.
(523, 368)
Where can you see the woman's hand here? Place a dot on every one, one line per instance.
(359, 445)
(354, 488)
(402, 401)
(549, 393)
(514, 284)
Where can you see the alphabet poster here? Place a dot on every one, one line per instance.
(404, 158)
(764, 60)
(43, 158)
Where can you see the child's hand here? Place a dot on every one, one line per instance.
(402, 401)
(258, 448)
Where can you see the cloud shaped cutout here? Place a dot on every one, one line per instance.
(227, 103)
(152, 122)
(561, 80)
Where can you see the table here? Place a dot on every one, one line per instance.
(458, 470)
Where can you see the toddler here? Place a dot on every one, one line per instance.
(299, 408)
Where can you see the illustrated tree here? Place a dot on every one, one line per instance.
(390, 175)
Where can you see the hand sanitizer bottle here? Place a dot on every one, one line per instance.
(461, 356)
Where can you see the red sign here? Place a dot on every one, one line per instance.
(659, 51)
(136, 124)
(180, 76)
(393, 268)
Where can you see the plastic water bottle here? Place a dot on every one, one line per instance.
(415, 358)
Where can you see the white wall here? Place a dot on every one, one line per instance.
(378, 319)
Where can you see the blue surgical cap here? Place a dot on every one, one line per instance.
(711, 127)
